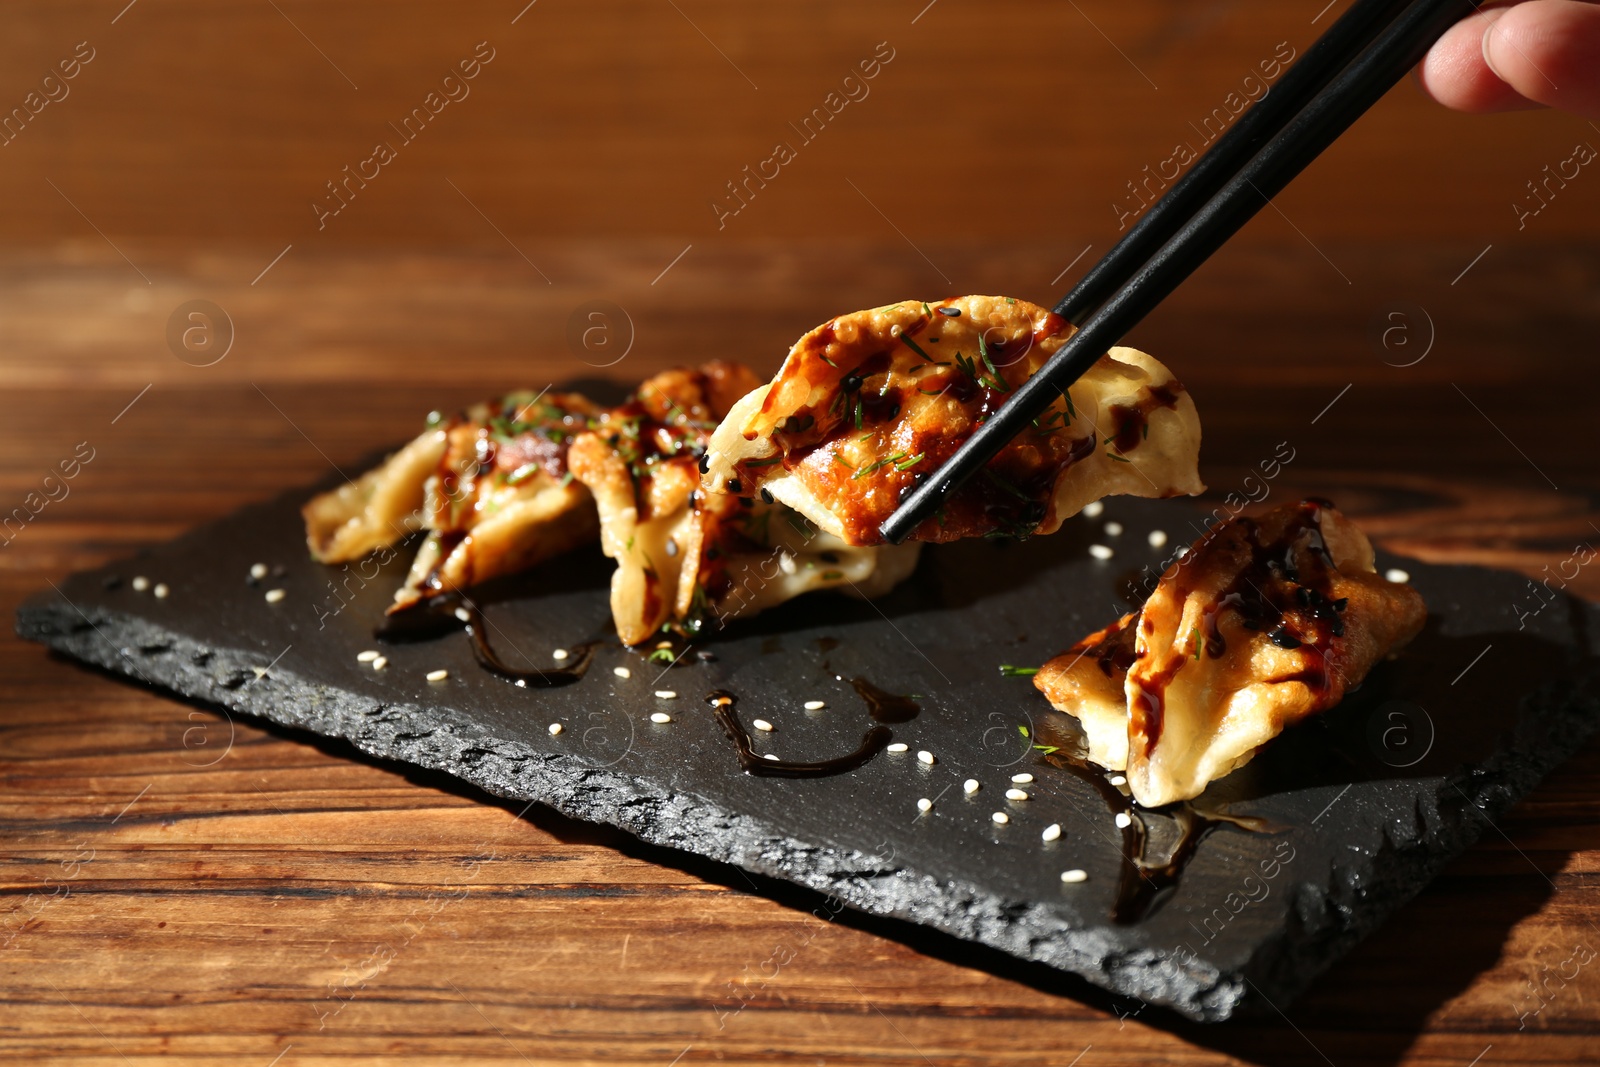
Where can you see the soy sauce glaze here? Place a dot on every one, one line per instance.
(722, 701)
(437, 615)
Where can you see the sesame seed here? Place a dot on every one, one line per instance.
(1052, 832)
(770, 756)
(1184, 551)
(666, 694)
(140, 584)
(522, 683)
(275, 595)
(763, 725)
(161, 590)
(660, 716)
(815, 705)
(1124, 820)
(926, 757)
(555, 728)
(898, 746)
(559, 653)
(622, 672)
(463, 614)
(1394, 574)
(1113, 529)
(924, 804)
(971, 786)
(786, 563)
(1075, 875)
(1000, 818)
(366, 657)
(1094, 509)
(1022, 779)
(380, 663)
(1016, 794)
(1119, 779)
(258, 571)
(663, 644)
(438, 675)
(1099, 551)
(1158, 538)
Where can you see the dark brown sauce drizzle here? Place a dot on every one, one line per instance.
(437, 615)
(1145, 884)
(883, 707)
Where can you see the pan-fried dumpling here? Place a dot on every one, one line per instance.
(869, 404)
(1264, 622)
(490, 485)
(685, 557)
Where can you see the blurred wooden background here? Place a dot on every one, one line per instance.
(181, 163)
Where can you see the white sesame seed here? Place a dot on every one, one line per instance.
(161, 590)
(1022, 779)
(438, 675)
(1016, 794)
(926, 757)
(1124, 820)
(622, 672)
(380, 663)
(663, 644)
(258, 571)
(275, 595)
(1158, 538)
(924, 804)
(1099, 551)
(1184, 551)
(1113, 529)
(815, 705)
(555, 728)
(1094, 509)
(660, 716)
(366, 657)
(971, 786)
(1394, 574)
(140, 584)
(559, 653)
(1118, 779)
(463, 614)
(666, 694)
(898, 746)
(522, 683)
(1000, 818)
(786, 563)
(770, 756)
(1052, 832)
(763, 725)
(1075, 875)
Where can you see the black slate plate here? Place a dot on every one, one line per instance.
(1368, 801)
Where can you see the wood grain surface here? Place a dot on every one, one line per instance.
(179, 885)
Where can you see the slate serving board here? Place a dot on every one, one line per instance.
(1366, 803)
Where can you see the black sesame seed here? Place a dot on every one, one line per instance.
(850, 383)
(1281, 637)
(954, 313)
(767, 496)
(733, 485)
(705, 462)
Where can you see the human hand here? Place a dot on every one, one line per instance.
(1511, 56)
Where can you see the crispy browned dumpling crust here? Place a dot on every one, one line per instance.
(1264, 622)
(489, 484)
(686, 558)
(868, 404)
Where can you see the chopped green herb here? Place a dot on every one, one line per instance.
(1001, 483)
(769, 461)
(832, 576)
(662, 655)
(906, 465)
(914, 346)
(1120, 459)
(841, 462)
(824, 357)
(1008, 670)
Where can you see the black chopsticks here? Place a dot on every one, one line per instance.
(1351, 67)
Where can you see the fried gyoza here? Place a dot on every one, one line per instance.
(868, 404)
(1264, 622)
(490, 485)
(684, 555)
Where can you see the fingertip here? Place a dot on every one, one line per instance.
(1456, 72)
(1548, 51)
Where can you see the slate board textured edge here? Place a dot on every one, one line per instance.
(1325, 921)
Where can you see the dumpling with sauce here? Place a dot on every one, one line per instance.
(1264, 622)
(870, 403)
(686, 558)
(490, 485)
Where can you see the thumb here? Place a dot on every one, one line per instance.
(1549, 52)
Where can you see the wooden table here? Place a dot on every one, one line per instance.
(180, 885)
(183, 884)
